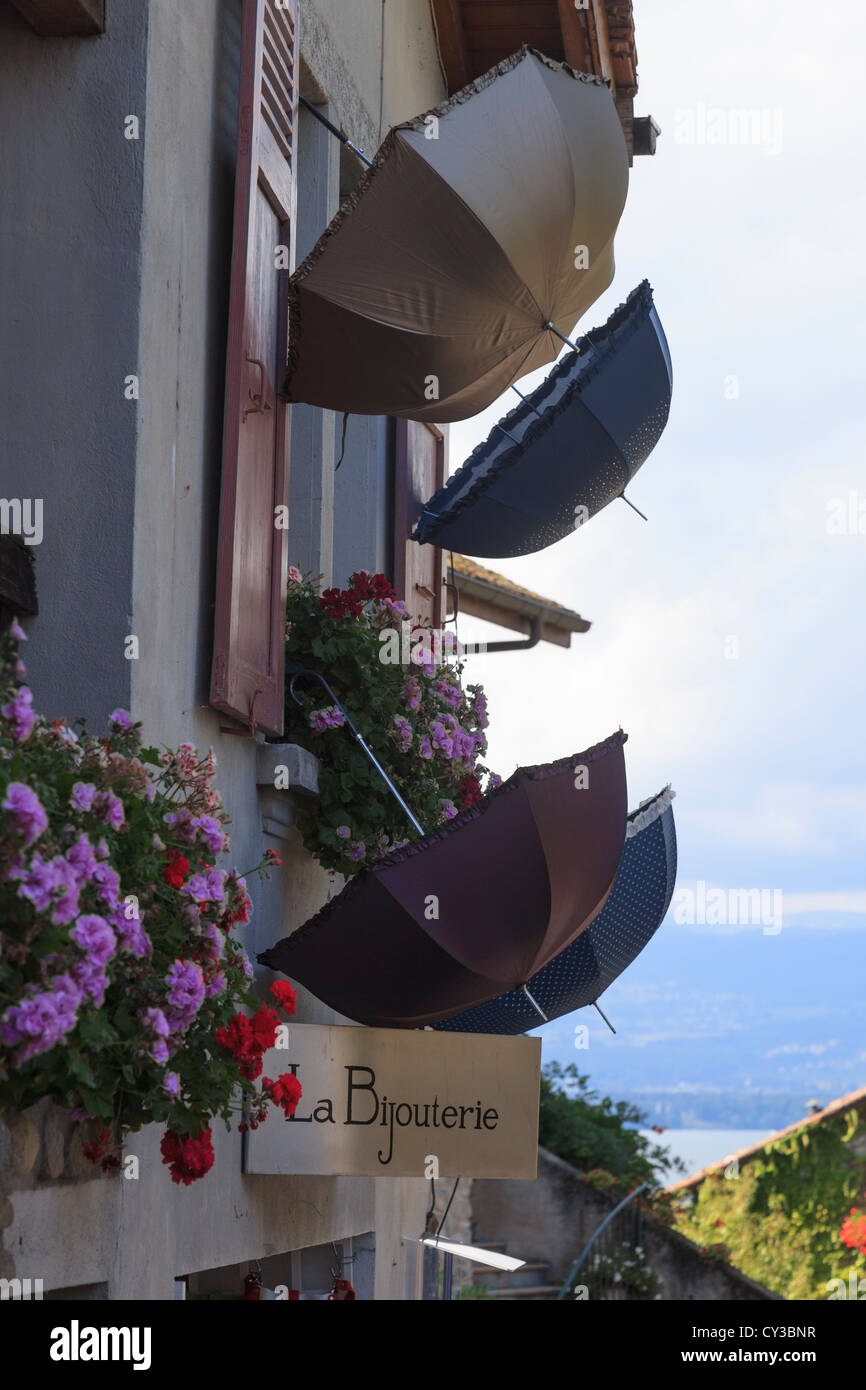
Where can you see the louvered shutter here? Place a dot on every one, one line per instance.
(247, 678)
(419, 570)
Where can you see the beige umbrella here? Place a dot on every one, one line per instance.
(476, 240)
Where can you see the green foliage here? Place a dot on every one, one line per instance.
(591, 1132)
(423, 727)
(779, 1215)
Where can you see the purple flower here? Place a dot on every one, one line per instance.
(82, 860)
(159, 1052)
(343, 831)
(494, 780)
(171, 1083)
(212, 832)
(17, 631)
(206, 887)
(157, 1022)
(133, 937)
(450, 693)
(38, 883)
(404, 732)
(27, 814)
(425, 748)
(94, 935)
(447, 809)
(108, 883)
(181, 821)
(441, 737)
(82, 795)
(185, 994)
(357, 850)
(216, 986)
(66, 905)
(120, 719)
(412, 692)
(110, 808)
(215, 937)
(328, 718)
(43, 1020)
(92, 979)
(20, 712)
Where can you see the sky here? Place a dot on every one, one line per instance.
(728, 634)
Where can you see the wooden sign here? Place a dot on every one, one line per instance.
(404, 1103)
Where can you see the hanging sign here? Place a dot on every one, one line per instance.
(402, 1103)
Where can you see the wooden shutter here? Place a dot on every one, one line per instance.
(247, 680)
(419, 570)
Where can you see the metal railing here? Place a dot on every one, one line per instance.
(611, 1262)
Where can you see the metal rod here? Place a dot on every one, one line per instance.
(575, 1268)
(534, 1002)
(527, 401)
(497, 426)
(334, 130)
(633, 507)
(604, 1016)
(447, 1273)
(572, 345)
(299, 675)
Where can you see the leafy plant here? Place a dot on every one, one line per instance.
(406, 700)
(593, 1132)
(780, 1214)
(120, 983)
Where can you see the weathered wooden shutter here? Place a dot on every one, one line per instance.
(419, 570)
(247, 680)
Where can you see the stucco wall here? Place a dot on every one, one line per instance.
(121, 264)
(70, 227)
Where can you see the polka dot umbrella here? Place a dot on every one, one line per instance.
(640, 897)
(566, 450)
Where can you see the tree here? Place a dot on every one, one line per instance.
(591, 1131)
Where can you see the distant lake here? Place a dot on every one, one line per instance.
(701, 1147)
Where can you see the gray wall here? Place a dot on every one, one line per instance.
(70, 230)
(553, 1218)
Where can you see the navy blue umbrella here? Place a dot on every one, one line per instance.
(638, 901)
(566, 450)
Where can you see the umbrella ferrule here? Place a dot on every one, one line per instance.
(535, 1004)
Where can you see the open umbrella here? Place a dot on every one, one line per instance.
(639, 899)
(479, 236)
(476, 907)
(566, 450)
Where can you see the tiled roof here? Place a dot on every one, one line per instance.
(836, 1107)
(468, 573)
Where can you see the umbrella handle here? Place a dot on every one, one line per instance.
(299, 675)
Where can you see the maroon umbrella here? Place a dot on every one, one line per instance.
(475, 908)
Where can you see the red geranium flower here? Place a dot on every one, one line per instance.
(470, 791)
(189, 1156)
(285, 1092)
(285, 995)
(178, 868)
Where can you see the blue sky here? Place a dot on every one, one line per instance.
(755, 256)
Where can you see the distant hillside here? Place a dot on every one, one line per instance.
(730, 1028)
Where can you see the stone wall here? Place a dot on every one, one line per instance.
(552, 1218)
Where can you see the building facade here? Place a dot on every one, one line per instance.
(161, 182)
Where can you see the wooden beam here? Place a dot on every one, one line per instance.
(574, 39)
(63, 18)
(599, 13)
(451, 38)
